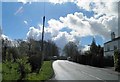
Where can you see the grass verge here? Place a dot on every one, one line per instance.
(0, 71)
(45, 74)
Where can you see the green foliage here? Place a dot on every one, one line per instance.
(50, 49)
(108, 61)
(93, 47)
(96, 52)
(23, 48)
(25, 59)
(117, 60)
(45, 73)
(24, 65)
(93, 57)
(71, 49)
(35, 62)
(10, 71)
(11, 54)
(16, 70)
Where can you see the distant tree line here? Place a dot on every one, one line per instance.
(94, 56)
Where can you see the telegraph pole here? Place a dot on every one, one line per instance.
(42, 45)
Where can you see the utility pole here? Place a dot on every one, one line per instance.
(42, 45)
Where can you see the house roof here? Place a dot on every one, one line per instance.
(118, 38)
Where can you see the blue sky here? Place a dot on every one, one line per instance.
(33, 13)
(17, 18)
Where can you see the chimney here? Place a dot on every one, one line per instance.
(112, 35)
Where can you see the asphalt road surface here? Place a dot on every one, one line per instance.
(66, 70)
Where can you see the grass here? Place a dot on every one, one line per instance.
(0, 71)
(0, 67)
(45, 73)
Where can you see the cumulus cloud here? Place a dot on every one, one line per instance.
(77, 23)
(98, 6)
(57, 25)
(63, 38)
(109, 8)
(60, 39)
(86, 48)
(101, 24)
(83, 26)
(80, 26)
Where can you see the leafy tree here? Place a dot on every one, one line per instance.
(96, 53)
(4, 48)
(71, 50)
(35, 62)
(93, 47)
(23, 48)
(50, 49)
(12, 53)
(88, 57)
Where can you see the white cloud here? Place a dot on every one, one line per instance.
(98, 6)
(23, 1)
(102, 24)
(86, 48)
(8, 41)
(57, 25)
(77, 23)
(34, 33)
(83, 26)
(80, 25)
(4, 37)
(62, 39)
(109, 8)
(60, 1)
(25, 22)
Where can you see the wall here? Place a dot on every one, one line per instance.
(110, 45)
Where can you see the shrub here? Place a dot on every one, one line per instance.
(108, 61)
(16, 70)
(35, 62)
(24, 66)
(117, 60)
(10, 71)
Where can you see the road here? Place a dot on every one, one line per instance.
(66, 70)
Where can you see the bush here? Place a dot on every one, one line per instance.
(117, 60)
(24, 66)
(35, 62)
(16, 70)
(108, 61)
(10, 71)
(45, 73)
